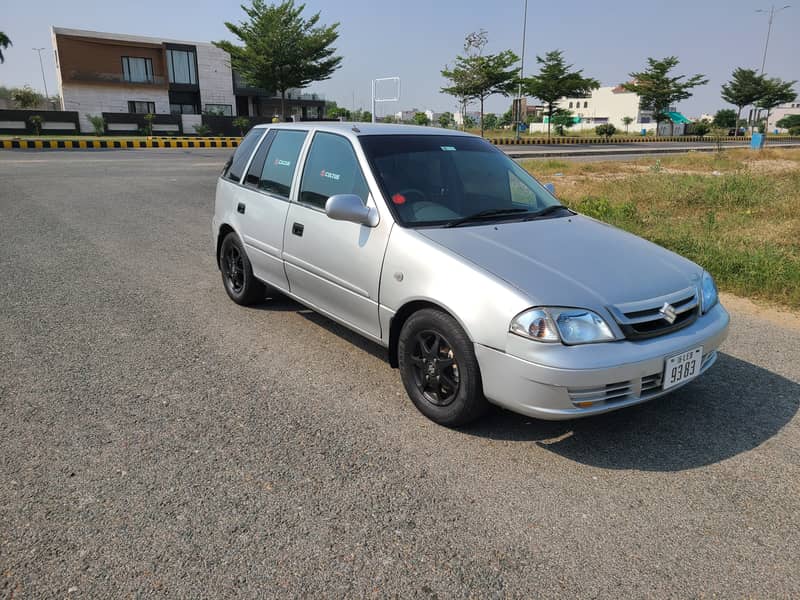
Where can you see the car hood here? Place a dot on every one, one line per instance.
(570, 261)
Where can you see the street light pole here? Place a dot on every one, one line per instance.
(41, 64)
(521, 70)
(772, 12)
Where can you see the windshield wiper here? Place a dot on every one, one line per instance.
(547, 210)
(483, 214)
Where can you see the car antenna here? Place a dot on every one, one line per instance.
(356, 129)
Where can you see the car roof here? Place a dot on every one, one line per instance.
(361, 129)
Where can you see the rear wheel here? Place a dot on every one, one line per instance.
(439, 369)
(237, 274)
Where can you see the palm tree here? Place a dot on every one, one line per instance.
(4, 43)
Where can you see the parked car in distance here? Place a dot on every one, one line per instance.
(480, 284)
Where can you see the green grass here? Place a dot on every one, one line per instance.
(741, 224)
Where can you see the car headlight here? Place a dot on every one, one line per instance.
(709, 292)
(568, 325)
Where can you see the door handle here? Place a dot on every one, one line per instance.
(240, 207)
(297, 229)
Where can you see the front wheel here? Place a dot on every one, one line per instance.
(439, 369)
(237, 274)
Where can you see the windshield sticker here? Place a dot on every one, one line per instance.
(448, 148)
(283, 163)
(399, 199)
(329, 175)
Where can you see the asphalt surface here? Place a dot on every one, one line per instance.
(157, 440)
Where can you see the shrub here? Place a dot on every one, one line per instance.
(243, 123)
(98, 122)
(36, 121)
(202, 129)
(794, 130)
(701, 127)
(148, 119)
(606, 129)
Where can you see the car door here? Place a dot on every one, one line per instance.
(334, 266)
(265, 200)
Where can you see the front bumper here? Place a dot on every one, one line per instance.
(549, 383)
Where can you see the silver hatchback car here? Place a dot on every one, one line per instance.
(481, 285)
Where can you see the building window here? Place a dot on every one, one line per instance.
(181, 66)
(137, 70)
(585, 105)
(141, 107)
(182, 109)
(223, 110)
(570, 104)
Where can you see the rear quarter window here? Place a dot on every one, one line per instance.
(242, 154)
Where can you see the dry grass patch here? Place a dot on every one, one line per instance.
(737, 214)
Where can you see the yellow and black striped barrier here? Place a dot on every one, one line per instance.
(79, 144)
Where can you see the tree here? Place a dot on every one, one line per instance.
(627, 121)
(469, 122)
(774, 93)
(658, 90)
(26, 97)
(4, 43)
(557, 80)
(490, 121)
(562, 119)
(506, 119)
(282, 50)
(606, 129)
(446, 120)
(421, 118)
(745, 87)
(725, 118)
(478, 76)
(789, 122)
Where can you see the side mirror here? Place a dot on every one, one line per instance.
(349, 207)
(550, 187)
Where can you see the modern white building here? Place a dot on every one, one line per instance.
(784, 110)
(609, 105)
(101, 73)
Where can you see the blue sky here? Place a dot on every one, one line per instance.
(414, 39)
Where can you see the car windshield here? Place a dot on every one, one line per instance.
(437, 180)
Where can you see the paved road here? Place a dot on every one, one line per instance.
(157, 440)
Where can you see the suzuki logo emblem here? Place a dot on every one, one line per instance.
(668, 312)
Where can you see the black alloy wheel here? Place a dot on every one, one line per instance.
(237, 273)
(439, 369)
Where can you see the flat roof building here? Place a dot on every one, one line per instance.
(101, 72)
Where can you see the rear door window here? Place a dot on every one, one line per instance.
(242, 154)
(331, 168)
(281, 162)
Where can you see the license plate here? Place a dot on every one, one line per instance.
(682, 367)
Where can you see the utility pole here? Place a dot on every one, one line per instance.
(521, 71)
(41, 64)
(771, 12)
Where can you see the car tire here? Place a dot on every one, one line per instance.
(237, 273)
(439, 369)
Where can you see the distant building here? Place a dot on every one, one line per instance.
(99, 72)
(609, 105)
(784, 110)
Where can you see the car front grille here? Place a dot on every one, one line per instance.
(643, 319)
(620, 391)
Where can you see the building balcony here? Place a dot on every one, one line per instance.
(113, 78)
